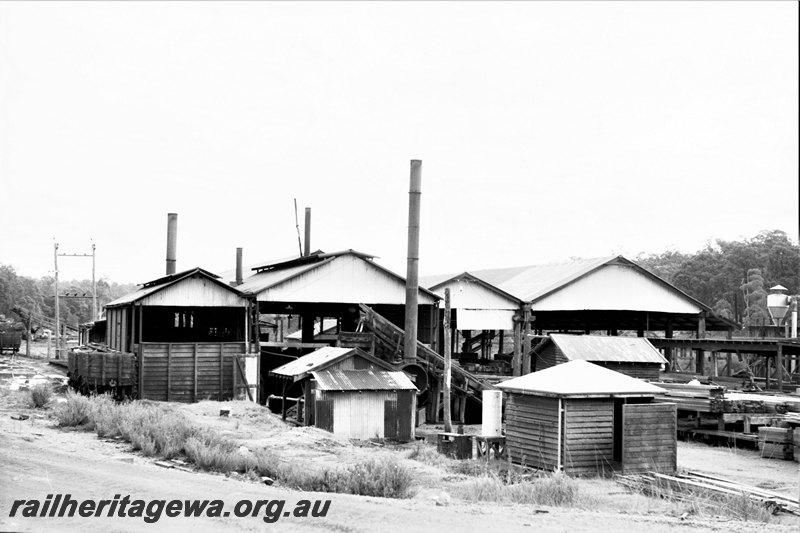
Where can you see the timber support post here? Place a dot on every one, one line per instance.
(526, 339)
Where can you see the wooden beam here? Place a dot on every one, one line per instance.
(169, 369)
(516, 361)
(526, 339)
(194, 381)
(221, 367)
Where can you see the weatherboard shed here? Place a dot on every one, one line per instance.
(588, 420)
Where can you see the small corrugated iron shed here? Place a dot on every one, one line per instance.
(586, 420)
(365, 404)
(633, 356)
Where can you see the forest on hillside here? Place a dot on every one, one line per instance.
(38, 296)
(731, 277)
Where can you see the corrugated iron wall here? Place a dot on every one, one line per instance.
(367, 414)
(360, 415)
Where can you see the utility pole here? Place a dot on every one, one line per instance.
(58, 318)
(93, 296)
(448, 362)
(94, 288)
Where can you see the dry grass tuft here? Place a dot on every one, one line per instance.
(159, 431)
(41, 395)
(557, 489)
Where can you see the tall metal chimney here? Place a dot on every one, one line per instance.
(412, 276)
(239, 277)
(172, 242)
(307, 242)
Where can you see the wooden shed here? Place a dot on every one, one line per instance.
(632, 356)
(297, 373)
(588, 420)
(189, 331)
(365, 404)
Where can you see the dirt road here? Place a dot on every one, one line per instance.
(38, 459)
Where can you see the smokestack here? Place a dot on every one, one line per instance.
(239, 279)
(308, 233)
(172, 242)
(412, 276)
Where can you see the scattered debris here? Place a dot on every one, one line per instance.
(694, 485)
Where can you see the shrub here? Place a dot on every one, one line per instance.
(40, 395)
(557, 490)
(384, 477)
(76, 411)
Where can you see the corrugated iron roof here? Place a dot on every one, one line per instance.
(275, 275)
(607, 349)
(356, 380)
(320, 359)
(531, 282)
(313, 257)
(156, 285)
(581, 379)
(310, 362)
(269, 278)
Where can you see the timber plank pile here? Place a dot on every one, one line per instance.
(776, 443)
(796, 442)
(711, 412)
(698, 398)
(694, 486)
(389, 346)
(97, 366)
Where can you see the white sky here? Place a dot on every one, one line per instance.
(546, 130)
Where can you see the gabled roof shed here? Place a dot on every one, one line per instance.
(587, 420)
(633, 356)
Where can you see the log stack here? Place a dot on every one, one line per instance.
(776, 443)
(796, 440)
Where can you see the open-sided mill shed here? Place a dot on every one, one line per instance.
(588, 420)
(189, 333)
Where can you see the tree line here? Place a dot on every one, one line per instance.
(733, 277)
(38, 296)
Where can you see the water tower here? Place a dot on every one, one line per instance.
(777, 304)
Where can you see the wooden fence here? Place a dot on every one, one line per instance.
(100, 369)
(190, 372)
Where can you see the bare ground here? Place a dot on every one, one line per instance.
(39, 459)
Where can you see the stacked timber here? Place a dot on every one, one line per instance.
(796, 441)
(776, 443)
(743, 406)
(695, 487)
(99, 366)
(772, 403)
(697, 398)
